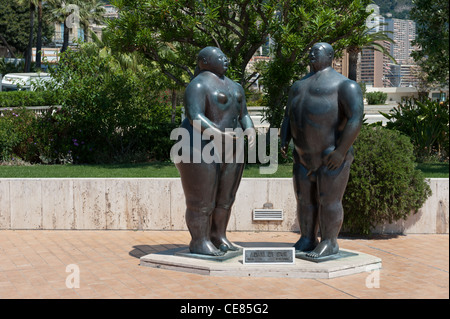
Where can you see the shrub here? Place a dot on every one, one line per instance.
(426, 122)
(8, 136)
(254, 98)
(112, 111)
(51, 131)
(16, 135)
(384, 185)
(11, 67)
(375, 98)
(28, 98)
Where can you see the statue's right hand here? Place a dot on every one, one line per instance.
(284, 150)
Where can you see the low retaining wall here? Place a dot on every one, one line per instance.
(159, 204)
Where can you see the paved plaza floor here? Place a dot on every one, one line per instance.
(105, 264)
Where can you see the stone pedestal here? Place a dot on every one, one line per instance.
(348, 263)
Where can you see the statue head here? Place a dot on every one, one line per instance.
(321, 56)
(212, 59)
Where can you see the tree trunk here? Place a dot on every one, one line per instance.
(29, 52)
(65, 37)
(174, 105)
(86, 32)
(39, 37)
(7, 46)
(352, 62)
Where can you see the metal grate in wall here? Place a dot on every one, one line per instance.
(267, 214)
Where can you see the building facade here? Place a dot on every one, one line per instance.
(377, 69)
(403, 32)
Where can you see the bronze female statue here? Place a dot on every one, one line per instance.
(216, 104)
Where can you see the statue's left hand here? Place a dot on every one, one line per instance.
(284, 149)
(334, 160)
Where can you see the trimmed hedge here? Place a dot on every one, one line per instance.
(376, 98)
(11, 99)
(384, 184)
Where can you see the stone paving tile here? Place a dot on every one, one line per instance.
(33, 265)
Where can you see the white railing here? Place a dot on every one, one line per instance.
(38, 110)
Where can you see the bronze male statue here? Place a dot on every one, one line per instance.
(217, 104)
(323, 117)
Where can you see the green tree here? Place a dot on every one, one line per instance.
(366, 40)
(39, 35)
(28, 52)
(14, 23)
(35, 5)
(432, 19)
(60, 14)
(82, 11)
(300, 25)
(18, 30)
(172, 32)
(90, 11)
(3, 40)
(112, 109)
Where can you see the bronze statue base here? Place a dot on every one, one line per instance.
(228, 255)
(340, 254)
(355, 262)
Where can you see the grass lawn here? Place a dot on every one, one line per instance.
(434, 170)
(103, 171)
(431, 170)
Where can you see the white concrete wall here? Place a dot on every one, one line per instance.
(159, 204)
(432, 218)
(395, 93)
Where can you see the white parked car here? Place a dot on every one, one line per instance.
(24, 81)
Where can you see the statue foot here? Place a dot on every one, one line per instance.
(306, 244)
(204, 248)
(224, 244)
(324, 248)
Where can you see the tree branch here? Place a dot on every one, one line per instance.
(153, 55)
(7, 46)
